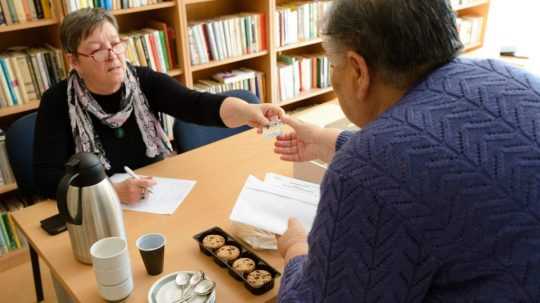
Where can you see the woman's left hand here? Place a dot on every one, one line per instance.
(294, 241)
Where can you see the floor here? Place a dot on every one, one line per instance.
(18, 284)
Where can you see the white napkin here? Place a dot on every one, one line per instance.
(269, 205)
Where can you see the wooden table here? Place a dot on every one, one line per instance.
(220, 170)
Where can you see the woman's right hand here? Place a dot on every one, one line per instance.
(133, 190)
(307, 142)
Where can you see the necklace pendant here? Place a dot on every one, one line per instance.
(119, 132)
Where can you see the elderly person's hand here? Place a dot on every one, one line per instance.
(133, 190)
(294, 241)
(307, 142)
(235, 112)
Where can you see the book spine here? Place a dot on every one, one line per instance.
(39, 9)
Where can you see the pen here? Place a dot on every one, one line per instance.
(134, 176)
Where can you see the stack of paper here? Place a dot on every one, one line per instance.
(268, 205)
(165, 198)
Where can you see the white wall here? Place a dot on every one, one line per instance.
(515, 22)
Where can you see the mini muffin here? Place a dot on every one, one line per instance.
(258, 278)
(228, 253)
(213, 241)
(244, 265)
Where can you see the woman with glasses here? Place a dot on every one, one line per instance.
(109, 106)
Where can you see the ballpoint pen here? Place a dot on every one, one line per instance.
(134, 176)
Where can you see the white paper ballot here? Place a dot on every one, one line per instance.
(269, 205)
(165, 198)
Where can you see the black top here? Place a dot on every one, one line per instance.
(54, 145)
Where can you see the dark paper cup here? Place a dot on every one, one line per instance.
(152, 249)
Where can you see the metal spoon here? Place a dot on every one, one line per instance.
(203, 288)
(193, 279)
(182, 279)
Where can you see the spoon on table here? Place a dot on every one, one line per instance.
(203, 288)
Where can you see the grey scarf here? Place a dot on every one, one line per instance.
(81, 104)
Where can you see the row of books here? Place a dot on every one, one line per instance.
(26, 73)
(73, 5)
(298, 74)
(299, 21)
(10, 236)
(151, 47)
(16, 11)
(470, 29)
(243, 79)
(6, 174)
(226, 37)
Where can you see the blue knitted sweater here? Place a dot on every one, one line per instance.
(435, 201)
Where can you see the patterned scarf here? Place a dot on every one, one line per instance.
(81, 104)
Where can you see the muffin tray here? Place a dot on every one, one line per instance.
(260, 264)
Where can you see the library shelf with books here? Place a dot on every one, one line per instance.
(223, 36)
(27, 25)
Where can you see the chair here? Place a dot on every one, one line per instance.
(20, 150)
(188, 136)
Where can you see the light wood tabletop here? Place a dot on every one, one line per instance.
(220, 170)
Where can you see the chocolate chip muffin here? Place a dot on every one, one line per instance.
(244, 265)
(213, 242)
(258, 278)
(228, 253)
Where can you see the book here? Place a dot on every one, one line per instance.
(8, 232)
(166, 39)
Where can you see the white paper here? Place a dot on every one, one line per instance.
(165, 198)
(269, 205)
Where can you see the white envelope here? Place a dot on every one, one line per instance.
(268, 206)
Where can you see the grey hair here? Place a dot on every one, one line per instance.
(80, 24)
(401, 40)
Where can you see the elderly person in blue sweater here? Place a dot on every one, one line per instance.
(437, 198)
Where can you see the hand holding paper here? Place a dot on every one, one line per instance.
(165, 197)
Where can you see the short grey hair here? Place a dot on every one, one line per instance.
(401, 40)
(80, 24)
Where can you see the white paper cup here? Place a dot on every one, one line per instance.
(112, 268)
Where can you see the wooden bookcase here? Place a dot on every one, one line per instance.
(478, 8)
(178, 14)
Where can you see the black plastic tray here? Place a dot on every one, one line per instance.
(244, 253)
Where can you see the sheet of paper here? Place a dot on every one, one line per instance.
(165, 198)
(269, 206)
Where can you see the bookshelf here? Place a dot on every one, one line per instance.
(478, 8)
(180, 14)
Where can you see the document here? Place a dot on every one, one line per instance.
(165, 198)
(269, 205)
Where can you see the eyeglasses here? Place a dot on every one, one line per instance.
(102, 55)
